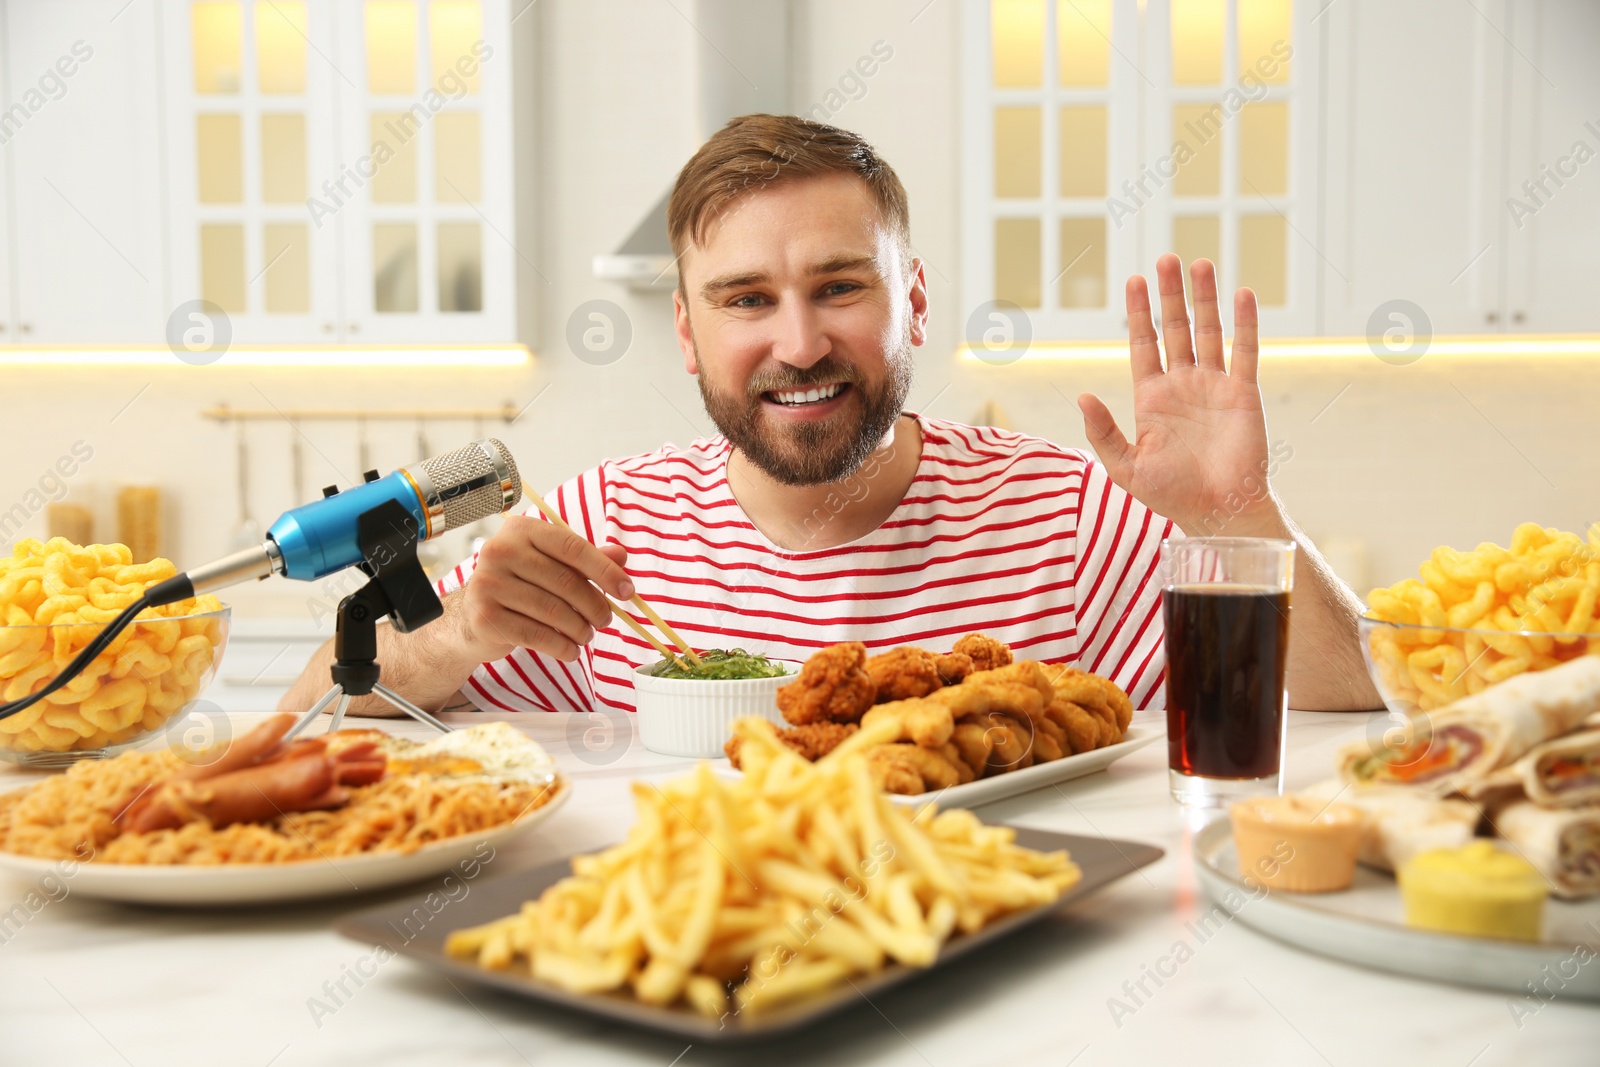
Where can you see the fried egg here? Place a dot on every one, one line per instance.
(494, 750)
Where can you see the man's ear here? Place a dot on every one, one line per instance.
(919, 303)
(685, 332)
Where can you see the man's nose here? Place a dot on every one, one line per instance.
(799, 339)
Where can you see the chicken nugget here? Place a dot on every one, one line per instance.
(1106, 719)
(923, 721)
(903, 673)
(980, 698)
(963, 769)
(954, 666)
(1082, 728)
(1089, 690)
(892, 774)
(1030, 673)
(1049, 740)
(1046, 748)
(936, 771)
(812, 741)
(832, 686)
(971, 739)
(986, 652)
(1013, 743)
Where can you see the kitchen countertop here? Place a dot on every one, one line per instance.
(88, 983)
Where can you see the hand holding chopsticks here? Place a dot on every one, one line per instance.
(638, 602)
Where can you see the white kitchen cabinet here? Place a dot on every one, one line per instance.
(1549, 217)
(1049, 121)
(1437, 116)
(343, 171)
(158, 154)
(250, 130)
(7, 324)
(1232, 121)
(1413, 133)
(263, 659)
(1100, 134)
(426, 217)
(84, 256)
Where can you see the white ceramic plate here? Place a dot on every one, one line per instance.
(988, 790)
(256, 883)
(1365, 924)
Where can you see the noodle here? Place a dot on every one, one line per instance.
(60, 816)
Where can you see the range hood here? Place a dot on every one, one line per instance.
(741, 66)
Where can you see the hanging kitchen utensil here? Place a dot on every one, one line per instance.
(363, 448)
(139, 521)
(297, 464)
(247, 532)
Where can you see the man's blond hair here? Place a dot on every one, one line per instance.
(754, 152)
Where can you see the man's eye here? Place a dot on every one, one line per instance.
(748, 300)
(841, 288)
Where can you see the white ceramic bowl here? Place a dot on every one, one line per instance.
(694, 717)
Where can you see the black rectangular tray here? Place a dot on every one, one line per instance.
(1101, 859)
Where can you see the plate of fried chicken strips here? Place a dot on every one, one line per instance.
(972, 725)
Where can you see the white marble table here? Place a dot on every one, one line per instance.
(87, 983)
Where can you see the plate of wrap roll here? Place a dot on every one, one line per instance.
(1516, 767)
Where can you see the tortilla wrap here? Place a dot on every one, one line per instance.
(1464, 742)
(1560, 773)
(1398, 822)
(1564, 843)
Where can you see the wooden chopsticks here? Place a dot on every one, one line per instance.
(638, 601)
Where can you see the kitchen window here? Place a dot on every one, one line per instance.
(1101, 133)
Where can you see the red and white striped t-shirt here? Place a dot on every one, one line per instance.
(999, 532)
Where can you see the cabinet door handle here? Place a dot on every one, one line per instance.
(1493, 317)
(1517, 316)
(327, 327)
(26, 327)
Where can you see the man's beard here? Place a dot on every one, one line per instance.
(822, 450)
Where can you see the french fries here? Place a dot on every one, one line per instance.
(143, 678)
(1547, 582)
(737, 896)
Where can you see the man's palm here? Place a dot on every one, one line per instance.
(1200, 433)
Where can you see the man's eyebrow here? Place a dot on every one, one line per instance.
(834, 265)
(722, 283)
(844, 263)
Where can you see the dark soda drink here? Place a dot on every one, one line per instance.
(1227, 650)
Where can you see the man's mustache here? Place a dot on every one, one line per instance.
(796, 378)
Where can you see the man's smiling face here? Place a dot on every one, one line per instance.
(802, 310)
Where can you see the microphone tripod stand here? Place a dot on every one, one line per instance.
(398, 588)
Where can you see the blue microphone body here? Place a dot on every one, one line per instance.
(319, 538)
(309, 542)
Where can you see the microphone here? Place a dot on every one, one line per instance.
(317, 539)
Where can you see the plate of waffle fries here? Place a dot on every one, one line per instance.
(972, 726)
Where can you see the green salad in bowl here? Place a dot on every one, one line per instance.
(720, 664)
(679, 715)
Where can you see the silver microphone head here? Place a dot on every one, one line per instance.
(471, 483)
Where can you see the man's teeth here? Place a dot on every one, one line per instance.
(810, 396)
